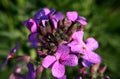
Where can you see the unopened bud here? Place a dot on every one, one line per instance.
(23, 58)
(10, 56)
(41, 54)
(95, 67)
(39, 69)
(102, 69)
(83, 71)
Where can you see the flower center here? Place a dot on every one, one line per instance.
(83, 47)
(60, 60)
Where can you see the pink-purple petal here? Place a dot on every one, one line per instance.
(64, 77)
(33, 26)
(70, 60)
(82, 20)
(76, 47)
(48, 61)
(58, 16)
(73, 15)
(46, 11)
(43, 22)
(78, 36)
(62, 51)
(92, 57)
(58, 70)
(91, 43)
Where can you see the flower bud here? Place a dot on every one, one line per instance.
(39, 69)
(102, 69)
(83, 71)
(23, 58)
(95, 67)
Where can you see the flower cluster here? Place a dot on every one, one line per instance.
(59, 43)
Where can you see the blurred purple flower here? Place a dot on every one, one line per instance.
(86, 49)
(61, 58)
(10, 55)
(14, 49)
(79, 77)
(31, 72)
(16, 73)
(73, 16)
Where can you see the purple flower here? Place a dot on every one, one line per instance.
(61, 58)
(10, 55)
(73, 16)
(31, 72)
(31, 24)
(43, 15)
(86, 49)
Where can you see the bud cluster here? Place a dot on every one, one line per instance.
(59, 43)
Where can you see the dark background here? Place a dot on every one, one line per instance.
(103, 24)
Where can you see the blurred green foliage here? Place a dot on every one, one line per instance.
(103, 24)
